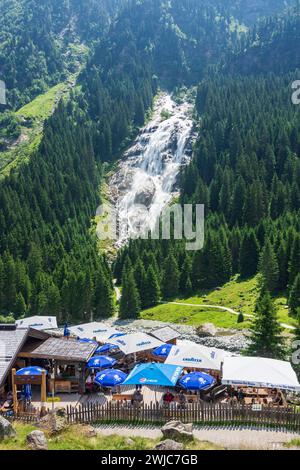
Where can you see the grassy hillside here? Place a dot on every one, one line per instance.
(76, 438)
(237, 295)
(32, 117)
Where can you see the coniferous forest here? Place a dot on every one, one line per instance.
(240, 64)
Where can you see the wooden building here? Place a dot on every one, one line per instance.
(64, 359)
(12, 340)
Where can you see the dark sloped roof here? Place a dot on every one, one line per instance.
(165, 334)
(61, 349)
(11, 342)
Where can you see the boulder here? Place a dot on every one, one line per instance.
(129, 442)
(89, 432)
(54, 422)
(206, 330)
(178, 431)
(36, 440)
(169, 444)
(146, 194)
(6, 429)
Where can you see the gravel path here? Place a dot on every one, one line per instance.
(229, 438)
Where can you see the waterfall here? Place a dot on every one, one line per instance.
(146, 179)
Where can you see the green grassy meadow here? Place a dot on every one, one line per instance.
(239, 295)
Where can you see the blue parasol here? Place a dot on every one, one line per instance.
(117, 335)
(100, 362)
(30, 371)
(27, 392)
(163, 350)
(66, 331)
(110, 378)
(197, 381)
(87, 340)
(154, 374)
(105, 348)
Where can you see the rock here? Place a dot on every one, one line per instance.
(169, 444)
(207, 330)
(54, 422)
(89, 432)
(129, 442)
(178, 431)
(146, 194)
(37, 440)
(6, 429)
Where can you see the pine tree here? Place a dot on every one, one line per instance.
(20, 306)
(104, 296)
(294, 297)
(249, 254)
(186, 271)
(139, 276)
(151, 290)
(268, 267)
(130, 304)
(294, 266)
(297, 344)
(266, 338)
(170, 281)
(188, 287)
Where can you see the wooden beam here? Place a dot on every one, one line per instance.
(14, 391)
(43, 388)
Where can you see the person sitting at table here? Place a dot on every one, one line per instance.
(137, 398)
(90, 382)
(241, 395)
(168, 397)
(181, 400)
(8, 403)
(278, 399)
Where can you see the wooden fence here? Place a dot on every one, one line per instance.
(198, 413)
(26, 417)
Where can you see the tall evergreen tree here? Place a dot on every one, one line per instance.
(294, 297)
(171, 276)
(151, 289)
(268, 267)
(130, 304)
(249, 254)
(294, 266)
(266, 333)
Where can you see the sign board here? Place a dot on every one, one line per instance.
(257, 407)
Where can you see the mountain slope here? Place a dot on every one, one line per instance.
(39, 41)
(272, 46)
(49, 261)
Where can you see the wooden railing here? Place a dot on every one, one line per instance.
(27, 417)
(199, 414)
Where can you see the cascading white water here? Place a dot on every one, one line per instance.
(145, 181)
